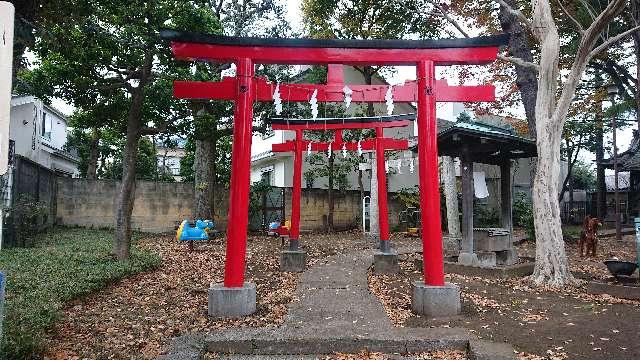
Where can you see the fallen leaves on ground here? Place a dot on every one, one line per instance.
(138, 316)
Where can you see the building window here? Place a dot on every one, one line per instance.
(46, 126)
(267, 177)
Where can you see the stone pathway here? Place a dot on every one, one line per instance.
(332, 311)
(334, 298)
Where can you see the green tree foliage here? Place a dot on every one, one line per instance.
(583, 176)
(147, 168)
(222, 161)
(109, 52)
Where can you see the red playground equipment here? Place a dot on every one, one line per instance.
(432, 296)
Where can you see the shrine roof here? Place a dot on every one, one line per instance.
(487, 143)
(200, 38)
(628, 160)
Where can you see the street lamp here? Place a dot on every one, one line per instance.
(612, 91)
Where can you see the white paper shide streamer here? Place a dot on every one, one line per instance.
(411, 167)
(399, 166)
(314, 104)
(389, 99)
(277, 100)
(347, 96)
(329, 151)
(309, 149)
(386, 166)
(359, 147)
(344, 150)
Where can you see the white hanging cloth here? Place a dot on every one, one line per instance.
(277, 100)
(314, 104)
(344, 150)
(347, 96)
(480, 185)
(389, 100)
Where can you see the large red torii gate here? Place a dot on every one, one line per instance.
(235, 297)
(379, 144)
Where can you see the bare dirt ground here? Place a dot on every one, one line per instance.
(539, 323)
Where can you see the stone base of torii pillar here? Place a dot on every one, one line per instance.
(232, 301)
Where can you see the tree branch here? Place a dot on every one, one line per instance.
(445, 15)
(519, 62)
(612, 40)
(517, 13)
(575, 21)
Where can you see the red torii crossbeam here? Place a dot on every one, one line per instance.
(425, 55)
(379, 144)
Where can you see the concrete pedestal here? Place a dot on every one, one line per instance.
(507, 257)
(435, 301)
(293, 260)
(486, 258)
(467, 258)
(232, 302)
(386, 262)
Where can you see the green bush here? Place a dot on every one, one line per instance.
(523, 215)
(64, 264)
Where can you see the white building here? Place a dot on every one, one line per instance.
(168, 160)
(277, 168)
(38, 132)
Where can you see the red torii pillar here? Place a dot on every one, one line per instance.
(379, 144)
(432, 297)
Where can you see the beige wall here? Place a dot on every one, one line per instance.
(158, 206)
(347, 214)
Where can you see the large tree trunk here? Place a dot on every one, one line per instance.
(204, 181)
(126, 196)
(601, 194)
(519, 48)
(551, 266)
(451, 196)
(92, 166)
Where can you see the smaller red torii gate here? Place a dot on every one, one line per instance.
(380, 144)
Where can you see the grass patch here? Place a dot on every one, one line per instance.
(64, 264)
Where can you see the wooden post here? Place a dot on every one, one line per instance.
(240, 176)
(432, 256)
(466, 171)
(506, 196)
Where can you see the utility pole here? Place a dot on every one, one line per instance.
(612, 90)
(7, 13)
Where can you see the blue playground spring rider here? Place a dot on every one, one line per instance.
(201, 231)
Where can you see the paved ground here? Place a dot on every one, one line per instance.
(332, 311)
(334, 298)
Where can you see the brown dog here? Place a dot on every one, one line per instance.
(589, 236)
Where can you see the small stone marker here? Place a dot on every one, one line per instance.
(2, 282)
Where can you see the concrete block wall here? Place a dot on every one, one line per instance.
(159, 205)
(314, 205)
